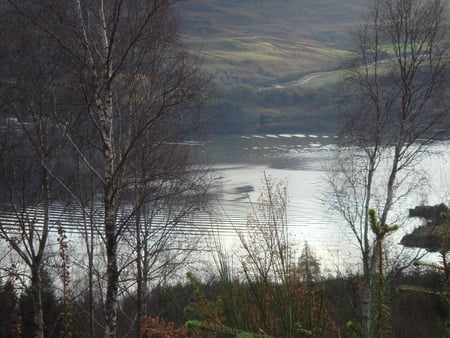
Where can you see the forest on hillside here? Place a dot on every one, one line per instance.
(259, 53)
(253, 47)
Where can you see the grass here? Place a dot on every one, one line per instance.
(259, 60)
(248, 45)
(258, 42)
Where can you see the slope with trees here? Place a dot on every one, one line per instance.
(251, 47)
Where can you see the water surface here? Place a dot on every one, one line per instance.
(301, 160)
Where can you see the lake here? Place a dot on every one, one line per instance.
(300, 160)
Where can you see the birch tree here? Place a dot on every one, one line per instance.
(128, 85)
(393, 109)
(30, 149)
(159, 245)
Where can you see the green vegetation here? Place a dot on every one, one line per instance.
(443, 269)
(292, 109)
(412, 314)
(379, 326)
(252, 45)
(259, 61)
(271, 292)
(276, 68)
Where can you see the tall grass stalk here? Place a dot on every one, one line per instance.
(270, 293)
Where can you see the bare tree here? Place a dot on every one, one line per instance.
(126, 86)
(269, 289)
(393, 111)
(164, 209)
(86, 190)
(30, 147)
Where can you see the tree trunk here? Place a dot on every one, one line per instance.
(112, 279)
(36, 285)
(91, 283)
(36, 293)
(366, 300)
(110, 226)
(139, 308)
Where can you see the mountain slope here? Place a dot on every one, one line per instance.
(259, 42)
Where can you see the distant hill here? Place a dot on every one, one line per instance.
(259, 42)
(275, 62)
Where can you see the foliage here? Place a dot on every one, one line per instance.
(259, 54)
(52, 323)
(102, 97)
(10, 321)
(156, 327)
(209, 311)
(396, 112)
(379, 324)
(239, 313)
(413, 314)
(271, 109)
(443, 268)
(276, 295)
(221, 330)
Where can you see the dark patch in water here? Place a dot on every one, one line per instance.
(245, 189)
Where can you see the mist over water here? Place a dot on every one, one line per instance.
(301, 161)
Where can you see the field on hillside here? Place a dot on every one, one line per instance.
(262, 42)
(274, 63)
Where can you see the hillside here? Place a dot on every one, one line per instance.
(274, 62)
(260, 42)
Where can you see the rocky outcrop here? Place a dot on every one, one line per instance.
(432, 214)
(425, 237)
(430, 235)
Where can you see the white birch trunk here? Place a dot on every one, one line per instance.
(110, 220)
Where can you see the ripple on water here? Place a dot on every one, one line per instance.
(309, 219)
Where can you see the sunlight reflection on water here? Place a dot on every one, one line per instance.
(300, 161)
